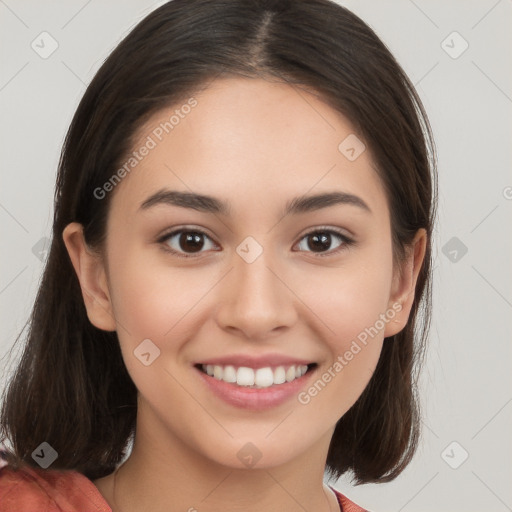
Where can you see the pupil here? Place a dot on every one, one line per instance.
(193, 240)
(320, 241)
(317, 242)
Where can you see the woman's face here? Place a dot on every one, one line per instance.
(260, 288)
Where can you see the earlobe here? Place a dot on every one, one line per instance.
(90, 270)
(404, 284)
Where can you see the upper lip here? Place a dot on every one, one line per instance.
(249, 361)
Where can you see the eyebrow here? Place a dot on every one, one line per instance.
(209, 204)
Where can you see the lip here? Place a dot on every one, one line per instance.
(252, 398)
(255, 362)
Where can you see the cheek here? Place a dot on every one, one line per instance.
(160, 305)
(156, 302)
(141, 301)
(349, 300)
(352, 307)
(354, 341)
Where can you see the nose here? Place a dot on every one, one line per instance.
(256, 301)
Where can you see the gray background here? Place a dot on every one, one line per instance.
(467, 390)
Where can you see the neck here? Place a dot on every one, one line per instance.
(153, 477)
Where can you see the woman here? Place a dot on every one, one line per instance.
(241, 245)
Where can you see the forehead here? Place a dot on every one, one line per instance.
(252, 141)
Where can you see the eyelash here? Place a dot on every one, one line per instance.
(347, 242)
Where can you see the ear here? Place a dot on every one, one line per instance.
(90, 270)
(404, 284)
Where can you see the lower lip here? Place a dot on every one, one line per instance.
(254, 398)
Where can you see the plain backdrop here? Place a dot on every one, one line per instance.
(458, 54)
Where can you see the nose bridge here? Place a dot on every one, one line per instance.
(255, 301)
(254, 278)
(255, 285)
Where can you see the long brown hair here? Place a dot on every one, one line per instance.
(71, 387)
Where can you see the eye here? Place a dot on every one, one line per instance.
(184, 241)
(320, 241)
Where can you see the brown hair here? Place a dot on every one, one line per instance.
(71, 387)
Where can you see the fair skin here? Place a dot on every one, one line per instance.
(256, 145)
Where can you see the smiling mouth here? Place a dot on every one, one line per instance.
(259, 378)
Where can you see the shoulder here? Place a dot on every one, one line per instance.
(347, 505)
(42, 490)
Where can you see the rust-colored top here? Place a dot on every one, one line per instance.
(46, 490)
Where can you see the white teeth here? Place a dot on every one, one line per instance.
(229, 374)
(290, 374)
(279, 375)
(259, 378)
(264, 377)
(245, 376)
(218, 372)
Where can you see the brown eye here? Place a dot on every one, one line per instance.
(190, 241)
(322, 241)
(183, 242)
(187, 243)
